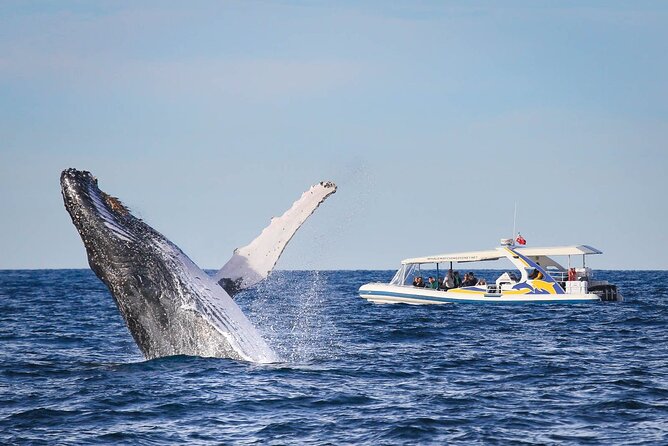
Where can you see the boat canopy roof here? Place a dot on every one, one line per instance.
(496, 254)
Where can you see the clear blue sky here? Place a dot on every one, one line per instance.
(434, 118)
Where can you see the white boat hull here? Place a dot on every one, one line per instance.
(384, 293)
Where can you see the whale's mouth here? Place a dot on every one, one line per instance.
(74, 185)
(92, 209)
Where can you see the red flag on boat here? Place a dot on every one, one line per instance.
(520, 240)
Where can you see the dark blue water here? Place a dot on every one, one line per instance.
(354, 372)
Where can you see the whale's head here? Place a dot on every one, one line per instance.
(107, 228)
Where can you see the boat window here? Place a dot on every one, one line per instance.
(411, 270)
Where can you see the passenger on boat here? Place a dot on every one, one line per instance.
(457, 279)
(481, 282)
(418, 282)
(449, 280)
(432, 283)
(469, 280)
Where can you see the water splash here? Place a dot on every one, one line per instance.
(291, 310)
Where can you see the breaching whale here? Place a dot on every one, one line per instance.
(170, 305)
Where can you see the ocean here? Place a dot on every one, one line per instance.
(352, 372)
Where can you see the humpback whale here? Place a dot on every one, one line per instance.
(169, 304)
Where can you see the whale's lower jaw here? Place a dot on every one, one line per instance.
(170, 306)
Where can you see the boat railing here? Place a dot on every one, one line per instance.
(558, 276)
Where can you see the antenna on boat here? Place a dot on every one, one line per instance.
(512, 236)
(511, 241)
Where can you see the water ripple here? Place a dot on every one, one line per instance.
(352, 372)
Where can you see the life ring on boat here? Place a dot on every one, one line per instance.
(571, 275)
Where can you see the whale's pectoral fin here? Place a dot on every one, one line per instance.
(253, 263)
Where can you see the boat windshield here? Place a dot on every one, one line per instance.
(404, 273)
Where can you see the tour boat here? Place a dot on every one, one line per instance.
(541, 279)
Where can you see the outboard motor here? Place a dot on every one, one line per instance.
(607, 293)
